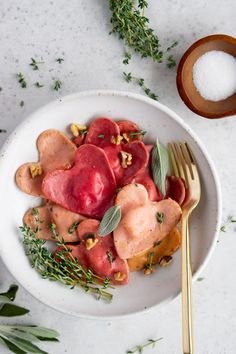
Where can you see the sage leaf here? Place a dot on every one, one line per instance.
(110, 221)
(10, 294)
(10, 331)
(9, 310)
(13, 348)
(160, 166)
(40, 332)
(24, 345)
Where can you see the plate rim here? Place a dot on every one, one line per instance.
(182, 123)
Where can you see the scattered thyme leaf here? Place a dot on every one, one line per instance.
(57, 85)
(60, 60)
(37, 84)
(110, 256)
(160, 216)
(140, 81)
(200, 279)
(101, 136)
(35, 64)
(127, 58)
(171, 63)
(21, 80)
(139, 348)
(22, 103)
(73, 227)
(173, 45)
(229, 221)
(139, 132)
(149, 264)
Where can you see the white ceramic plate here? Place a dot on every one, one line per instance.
(143, 292)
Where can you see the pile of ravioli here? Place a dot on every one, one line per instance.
(79, 179)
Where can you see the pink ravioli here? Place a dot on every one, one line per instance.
(88, 188)
(102, 259)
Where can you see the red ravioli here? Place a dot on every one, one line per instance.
(176, 189)
(139, 161)
(87, 188)
(101, 131)
(126, 126)
(102, 259)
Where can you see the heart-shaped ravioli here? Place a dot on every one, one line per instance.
(88, 188)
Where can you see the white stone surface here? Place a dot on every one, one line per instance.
(77, 30)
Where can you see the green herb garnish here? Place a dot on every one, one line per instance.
(101, 136)
(65, 268)
(200, 279)
(127, 58)
(37, 84)
(149, 264)
(19, 338)
(110, 221)
(35, 64)
(57, 85)
(21, 80)
(171, 62)
(229, 221)
(160, 166)
(60, 60)
(160, 217)
(140, 81)
(139, 348)
(138, 133)
(110, 256)
(73, 227)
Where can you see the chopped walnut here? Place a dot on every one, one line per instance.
(116, 139)
(126, 137)
(165, 261)
(36, 170)
(77, 128)
(91, 242)
(126, 159)
(148, 271)
(119, 276)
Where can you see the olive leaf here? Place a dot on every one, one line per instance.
(160, 166)
(110, 220)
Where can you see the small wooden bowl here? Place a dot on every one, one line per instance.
(186, 87)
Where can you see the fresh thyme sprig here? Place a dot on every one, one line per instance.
(130, 24)
(140, 81)
(63, 267)
(35, 64)
(138, 133)
(21, 80)
(229, 221)
(57, 85)
(139, 348)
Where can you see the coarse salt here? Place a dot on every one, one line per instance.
(214, 75)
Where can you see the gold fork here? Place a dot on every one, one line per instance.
(184, 166)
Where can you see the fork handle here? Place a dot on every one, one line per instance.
(187, 323)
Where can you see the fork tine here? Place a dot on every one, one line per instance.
(173, 161)
(179, 162)
(188, 167)
(193, 163)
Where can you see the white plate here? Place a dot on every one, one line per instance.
(143, 292)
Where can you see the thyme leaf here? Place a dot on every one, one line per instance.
(57, 85)
(140, 81)
(60, 60)
(35, 64)
(229, 221)
(140, 347)
(21, 80)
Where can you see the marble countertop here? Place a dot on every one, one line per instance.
(77, 30)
